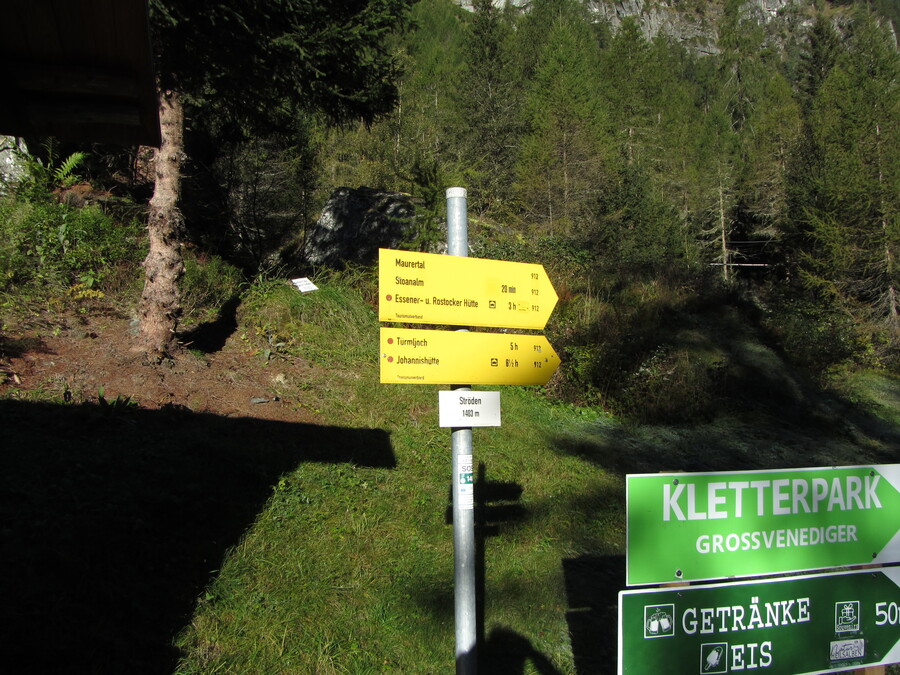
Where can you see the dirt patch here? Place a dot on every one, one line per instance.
(83, 358)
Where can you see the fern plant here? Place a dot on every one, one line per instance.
(41, 179)
(65, 173)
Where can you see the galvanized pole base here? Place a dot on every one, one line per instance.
(463, 480)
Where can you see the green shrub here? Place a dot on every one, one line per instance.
(816, 335)
(654, 348)
(55, 244)
(335, 325)
(673, 385)
(42, 176)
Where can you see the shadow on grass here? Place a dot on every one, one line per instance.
(503, 651)
(114, 518)
(592, 587)
(210, 337)
(848, 437)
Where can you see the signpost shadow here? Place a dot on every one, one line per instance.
(505, 652)
(592, 586)
(497, 506)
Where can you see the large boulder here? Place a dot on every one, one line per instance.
(12, 166)
(355, 223)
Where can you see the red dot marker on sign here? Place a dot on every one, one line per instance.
(390, 341)
(389, 297)
(390, 359)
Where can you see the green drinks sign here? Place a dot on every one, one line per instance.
(806, 624)
(700, 526)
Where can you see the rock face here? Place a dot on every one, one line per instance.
(499, 4)
(696, 24)
(691, 22)
(662, 17)
(355, 223)
(12, 168)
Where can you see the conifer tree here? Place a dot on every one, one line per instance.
(488, 122)
(855, 218)
(630, 88)
(767, 141)
(741, 42)
(253, 63)
(817, 59)
(820, 50)
(565, 155)
(436, 52)
(416, 137)
(716, 161)
(642, 219)
(757, 127)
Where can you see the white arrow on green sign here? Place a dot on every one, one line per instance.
(788, 626)
(698, 526)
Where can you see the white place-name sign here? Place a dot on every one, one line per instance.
(469, 408)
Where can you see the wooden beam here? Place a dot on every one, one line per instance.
(65, 79)
(73, 114)
(68, 60)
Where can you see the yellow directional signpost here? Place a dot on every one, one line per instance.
(455, 290)
(430, 288)
(410, 356)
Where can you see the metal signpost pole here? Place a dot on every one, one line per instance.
(463, 482)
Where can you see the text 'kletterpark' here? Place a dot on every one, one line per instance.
(763, 498)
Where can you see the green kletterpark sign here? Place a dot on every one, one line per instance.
(696, 526)
(787, 626)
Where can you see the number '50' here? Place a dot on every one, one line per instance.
(887, 613)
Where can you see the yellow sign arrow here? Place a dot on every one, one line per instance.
(430, 288)
(411, 356)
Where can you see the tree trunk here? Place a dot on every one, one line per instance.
(163, 266)
(892, 299)
(723, 229)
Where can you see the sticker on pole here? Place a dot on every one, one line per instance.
(465, 482)
(462, 409)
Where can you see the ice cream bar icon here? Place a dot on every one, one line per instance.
(713, 658)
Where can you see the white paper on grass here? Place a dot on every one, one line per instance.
(305, 285)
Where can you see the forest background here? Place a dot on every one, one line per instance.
(665, 186)
(665, 183)
(651, 178)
